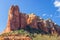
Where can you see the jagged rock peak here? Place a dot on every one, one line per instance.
(12, 8)
(49, 20)
(32, 15)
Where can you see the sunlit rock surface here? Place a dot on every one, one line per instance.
(18, 20)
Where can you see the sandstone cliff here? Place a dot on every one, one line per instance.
(18, 20)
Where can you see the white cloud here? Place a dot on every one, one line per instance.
(47, 15)
(44, 14)
(51, 15)
(57, 4)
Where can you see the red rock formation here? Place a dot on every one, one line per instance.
(42, 25)
(16, 38)
(51, 26)
(23, 20)
(13, 19)
(32, 21)
(18, 20)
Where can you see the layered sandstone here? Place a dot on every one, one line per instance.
(32, 20)
(13, 19)
(18, 20)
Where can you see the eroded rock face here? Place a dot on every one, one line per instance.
(51, 26)
(18, 20)
(23, 20)
(13, 19)
(32, 21)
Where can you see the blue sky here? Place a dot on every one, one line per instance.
(43, 8)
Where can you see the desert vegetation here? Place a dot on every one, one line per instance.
(32, 36)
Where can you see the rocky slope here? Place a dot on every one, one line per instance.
(16, 35)
(30, 22)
